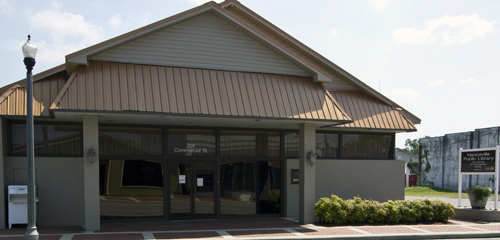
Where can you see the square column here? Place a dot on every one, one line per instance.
(91, 174)
(307, 173)
(3, 209)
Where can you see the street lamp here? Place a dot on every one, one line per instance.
(29, 52)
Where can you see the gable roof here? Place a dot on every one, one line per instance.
(271, 37)
(257, 28)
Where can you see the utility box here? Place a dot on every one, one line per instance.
(18, 204)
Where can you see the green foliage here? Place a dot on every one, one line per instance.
(413, 166)
(274, 201)
(480, 192)
(336, 210)
(411, 146)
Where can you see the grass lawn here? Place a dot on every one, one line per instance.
(433, 192)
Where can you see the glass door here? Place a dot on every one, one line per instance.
(192, 186)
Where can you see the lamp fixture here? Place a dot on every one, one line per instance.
(311, 157)
(91, 155)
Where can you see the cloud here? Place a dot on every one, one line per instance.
(380, 4)
(5, 7)
(116, 21)
(448, 30)
(468, 80)
(437, 83)
(404, 93)
(333, 33)
(69, 32)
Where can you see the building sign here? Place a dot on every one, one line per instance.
(475, 161)
(190, 149)
(480, 161)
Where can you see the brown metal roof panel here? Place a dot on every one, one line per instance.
(228, 85)
(115, 87)
(162, 81)
(172, 100)
(241, 89)
(193, 86)
(368, 112)
(131, 88)
(238, 94)
(251, 95)
(196, 91)
(284, 97)
(207, 90)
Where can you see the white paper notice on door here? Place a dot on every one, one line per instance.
(199, 182)
(182, 179)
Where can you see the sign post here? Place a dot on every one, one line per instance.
(480, 161)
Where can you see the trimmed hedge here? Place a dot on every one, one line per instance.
(336, 210)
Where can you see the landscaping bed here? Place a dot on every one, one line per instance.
(335, 210)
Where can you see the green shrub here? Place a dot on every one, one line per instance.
(336, 210)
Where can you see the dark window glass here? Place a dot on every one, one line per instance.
(142, 173)
(130, 141)
(49, 140)
(327, 145)
(291, 144)
(250, 187)
(364, 146)
(250, 144)
(131, 189)
(188, 142)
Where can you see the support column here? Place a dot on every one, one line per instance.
(91, 174)
(307, 173)
(3, 209)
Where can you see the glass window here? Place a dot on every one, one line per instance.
(327, 145)
(249, 144)
(189, 142)
(131, 189)
(142, 173)
(49, 140)
(130, 141)
(364, 146)
(291, 145)
(250, 187)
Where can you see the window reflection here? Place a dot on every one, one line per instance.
(131, 188)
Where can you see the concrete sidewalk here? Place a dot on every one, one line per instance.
(262, 228)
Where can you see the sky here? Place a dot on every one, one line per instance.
(438, 59)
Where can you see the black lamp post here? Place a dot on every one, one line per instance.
(29, 52)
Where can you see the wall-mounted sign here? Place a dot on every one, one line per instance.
(474, 161)
(295, 176)
(190, 148)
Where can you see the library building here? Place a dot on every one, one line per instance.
(211, 113)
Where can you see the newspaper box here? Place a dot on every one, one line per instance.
(18, 204)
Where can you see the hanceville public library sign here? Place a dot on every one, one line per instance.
(479, 161)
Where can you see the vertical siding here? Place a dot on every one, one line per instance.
(202, 42)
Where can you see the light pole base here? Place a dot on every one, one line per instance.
(31, 234)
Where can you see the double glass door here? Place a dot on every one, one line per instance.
(192, 185)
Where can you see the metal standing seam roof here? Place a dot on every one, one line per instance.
(121, 87)
(368, 112)
(45, 91)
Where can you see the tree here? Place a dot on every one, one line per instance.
(411, 146)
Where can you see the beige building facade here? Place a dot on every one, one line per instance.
(210, 113)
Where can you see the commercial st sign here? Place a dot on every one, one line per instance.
(478, 161)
